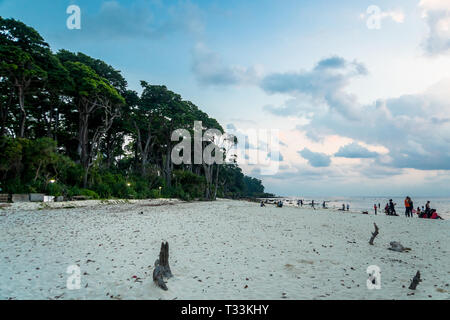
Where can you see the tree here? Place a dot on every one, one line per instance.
(92, 95)
(22, 50)
(68, 106)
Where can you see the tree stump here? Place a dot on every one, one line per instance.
(162, 268)
(415, 281)
(374, 234)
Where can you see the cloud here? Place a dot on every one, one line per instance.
(415, 129)
(210, 69)
(395, 15)
(315, 159)
(323, 87)
(354, 150)
(437, 16)
(274, 158)
(115, 21)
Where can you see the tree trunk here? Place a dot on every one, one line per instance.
(216, 184)
(167, 168)
(22, 111)
(162, 268)
(84, 143)
(415, 281)
(374, 234)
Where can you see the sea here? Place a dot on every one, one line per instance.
(360, 204)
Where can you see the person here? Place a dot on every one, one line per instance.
(324, 205)
(428, 209)
(301, 203)
(407, 206)
(343, 207)
(379, 205)
(375, 208)
(422, 214)
(348, 207)
(262, 204)
(386, 209)
(411, 208)
(392, 211)
(434, 215)
(418, 211)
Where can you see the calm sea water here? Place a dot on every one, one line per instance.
(358, 204)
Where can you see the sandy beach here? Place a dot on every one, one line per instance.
(218, 250)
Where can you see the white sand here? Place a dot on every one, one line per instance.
(216, 250)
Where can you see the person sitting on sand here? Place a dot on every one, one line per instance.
(423, 214)
(434, 215)
(418, 211)
(348, 207)
(428, 209)
(262, 204)
(386, 209)
(343, 207)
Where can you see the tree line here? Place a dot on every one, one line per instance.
(69, 125)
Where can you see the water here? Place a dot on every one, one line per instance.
(359, 204)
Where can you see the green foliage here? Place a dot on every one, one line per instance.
(56, 189)
(89, 193)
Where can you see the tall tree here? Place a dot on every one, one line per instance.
(22, 51)
(93, 95)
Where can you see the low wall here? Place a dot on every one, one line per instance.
(20, 198)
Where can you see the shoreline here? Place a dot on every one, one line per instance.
(227, 249)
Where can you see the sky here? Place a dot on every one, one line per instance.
(358, 91)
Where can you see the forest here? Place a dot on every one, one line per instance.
(70, 126)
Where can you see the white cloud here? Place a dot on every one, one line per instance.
(415, 129)
(210, 69)
(437, 16)
(395, 15)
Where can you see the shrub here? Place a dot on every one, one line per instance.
(89, 193)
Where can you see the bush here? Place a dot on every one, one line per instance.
(154, 194)
(73, 191)
(55, 189)
(89, 193)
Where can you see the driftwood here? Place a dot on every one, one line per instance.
(415, 281)
(162, 268)
(374, 234)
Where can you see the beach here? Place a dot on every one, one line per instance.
(218, 250)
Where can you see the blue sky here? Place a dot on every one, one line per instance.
(360, 111)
